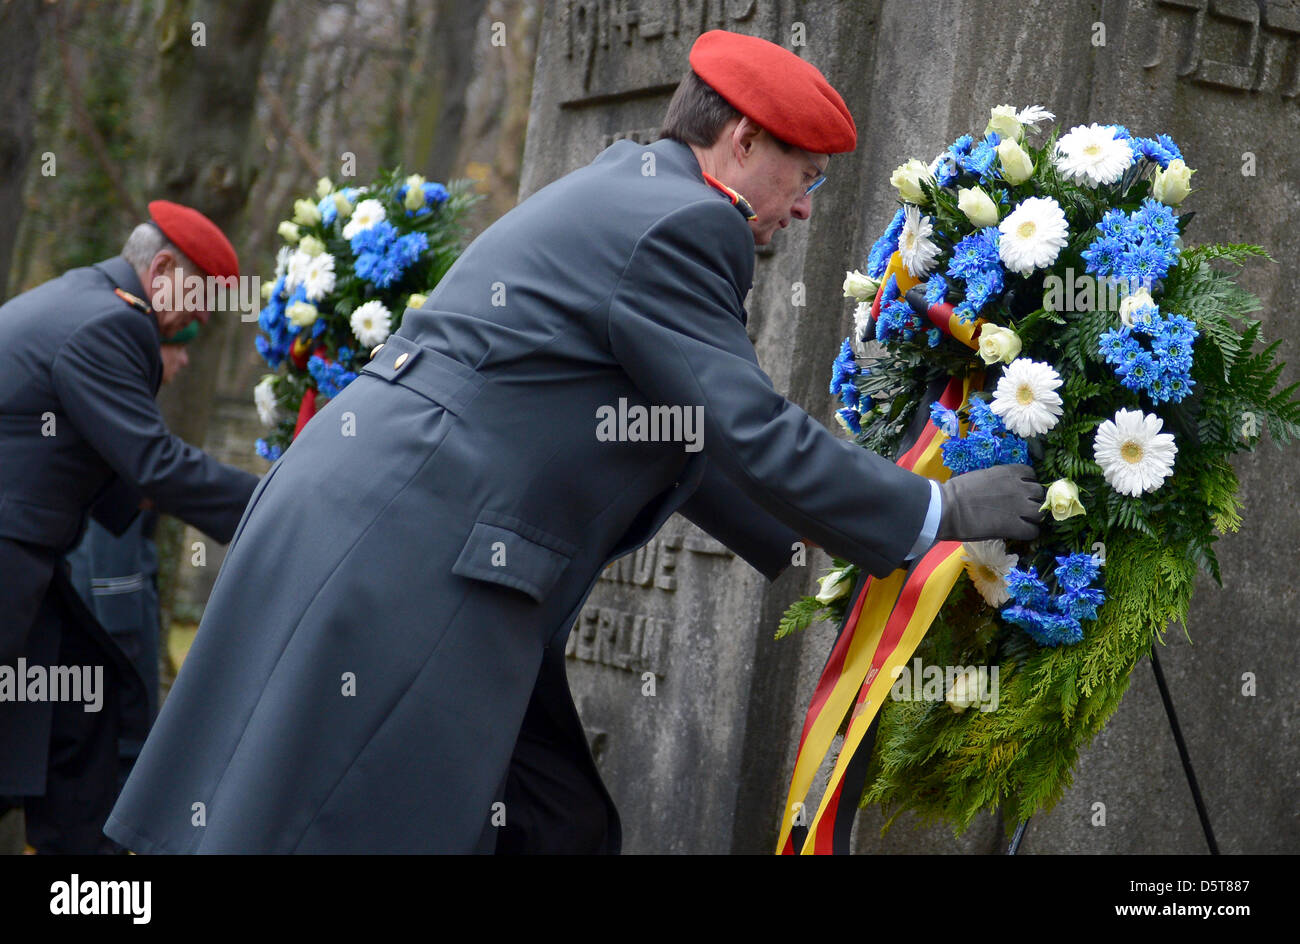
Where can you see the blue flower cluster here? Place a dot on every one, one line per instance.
(1160, 149)
(1163, 371)
(331, 378)
(267, 451)
(843, 371)
(975, 260)
(978, 158)
(883, 248)
(382, 255)
(1055, 619)
(897, 321)
(433, 195)
(1139, 247)
(280, 332)
(987, 443)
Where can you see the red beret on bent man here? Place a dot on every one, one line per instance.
(196, 236)
(770, 85)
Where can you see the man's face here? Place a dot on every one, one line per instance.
(167, 294)
(775, 182)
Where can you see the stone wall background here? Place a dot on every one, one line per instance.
(704, 764)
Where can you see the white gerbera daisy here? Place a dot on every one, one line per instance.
(1133, 454)
(861, 320)
(988, 563)
(282, 261)
(318, 279)
(1033, 115)
(914, 246)
(1032, 235)
(295, 270)
(371, 323)
(1092, 155)
(268, 411)
(1026, 397)
(365, 215)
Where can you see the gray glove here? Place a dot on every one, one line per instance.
(1001, 502)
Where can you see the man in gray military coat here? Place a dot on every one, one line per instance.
(80, 433)
(380, 667)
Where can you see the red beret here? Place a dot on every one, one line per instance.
(196, 236)
(787, 96)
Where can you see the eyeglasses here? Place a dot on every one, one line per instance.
(821, 179)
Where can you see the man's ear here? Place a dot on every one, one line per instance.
(744, 138)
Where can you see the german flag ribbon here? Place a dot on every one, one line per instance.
(886, 623)
(739, 202)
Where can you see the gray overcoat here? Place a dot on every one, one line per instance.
(399, 592)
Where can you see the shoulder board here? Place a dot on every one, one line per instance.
(739, 202)
(136, 303)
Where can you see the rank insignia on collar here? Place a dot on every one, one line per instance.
(739, 202)
(137, 303)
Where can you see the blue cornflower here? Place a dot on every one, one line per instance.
(983, 449)
(374, 239)
(1026, 589)
(267, 451)
(945, 419)
(1103, 255)
(885, 246)
(936, 288)
(1081, 604)
(1076, 571)
(851, 419)
(976, 253)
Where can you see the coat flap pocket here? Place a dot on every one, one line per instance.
(512, 553)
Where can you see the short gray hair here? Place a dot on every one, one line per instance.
(145, 242)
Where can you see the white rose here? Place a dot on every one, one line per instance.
(833, 586)
(860, 286)
(414, 198)
(311, 246)
(323, 187)
(964, 691)
(978, 206)
(1132, 303)
(342, 205)
(1017, 167)
(1063, 500)
(907, 178)
(303, 314)
(998, 344)
(1005, 123)
(305, 213)
(288, 231)
(1172, 185)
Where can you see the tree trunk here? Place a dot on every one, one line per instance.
(21, 25)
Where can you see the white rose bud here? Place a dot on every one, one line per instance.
(1172, 185)
(266, 290)
(964, 691)
(1132, 303)
(342, 205)
(305, 213)
(1063, 500)
(417, 300)
(303, 314)
(832, 586)
(907, 178)
(1003, 121)
(998, 344)
(860, 286)
(1017, 167)
(288, 231)
(311, 246)
(414, 198)
(978, 206)
(323, 187)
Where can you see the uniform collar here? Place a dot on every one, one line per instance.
(124, 278)
(682, 154)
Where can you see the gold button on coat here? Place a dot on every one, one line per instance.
(375, 351)
(401, 359)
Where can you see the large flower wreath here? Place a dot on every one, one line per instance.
(354, 259)
(1052, 280)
